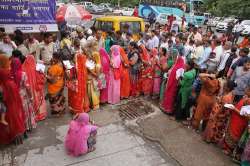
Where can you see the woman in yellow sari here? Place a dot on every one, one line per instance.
(55, 77)
(93, 65)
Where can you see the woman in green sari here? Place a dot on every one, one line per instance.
(186, 82)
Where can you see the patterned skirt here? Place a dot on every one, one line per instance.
(57, 103)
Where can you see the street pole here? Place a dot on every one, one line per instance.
(119, 3)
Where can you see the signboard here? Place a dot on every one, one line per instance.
(28, 15)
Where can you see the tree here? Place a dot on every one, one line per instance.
(237, 8)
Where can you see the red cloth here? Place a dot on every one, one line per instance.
(29, 67)
(136, 12)
(78, 100)
(16, 71)
(15, 113)
(172, 86)
(125, 80)
(146, 81)
(237, 123)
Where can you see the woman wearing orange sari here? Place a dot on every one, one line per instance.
(125, 80)
(55, 79)
(207, 98)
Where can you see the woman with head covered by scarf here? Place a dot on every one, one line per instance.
(21, 81)
(105, 60)
(13, 102)
(172, 84)
(81, 136)
(114, 75)
(125, 79)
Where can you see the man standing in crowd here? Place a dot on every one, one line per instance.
(7, 45)
(224, 57)
(31, 43)
(45, 49)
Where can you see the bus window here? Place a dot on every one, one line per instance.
(134, 26)
(104, 25)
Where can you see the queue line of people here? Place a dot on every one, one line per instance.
(193, 75)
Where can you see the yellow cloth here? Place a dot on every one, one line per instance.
(64, 42)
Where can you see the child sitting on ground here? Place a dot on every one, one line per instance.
(81, 136)
(2, 109)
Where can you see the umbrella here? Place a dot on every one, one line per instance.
(72, 14)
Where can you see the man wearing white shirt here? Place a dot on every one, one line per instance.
(238, 29)
(155, 40)
(45, 49)
(32, 44)
(7, 46)
(197, 37)
(214, 60)
(225, 56)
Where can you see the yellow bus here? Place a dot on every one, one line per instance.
(117, 23)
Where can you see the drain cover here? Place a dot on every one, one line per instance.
(134, 109)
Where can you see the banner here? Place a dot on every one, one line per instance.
(28, 15)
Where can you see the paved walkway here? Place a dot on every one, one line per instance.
(151, 140)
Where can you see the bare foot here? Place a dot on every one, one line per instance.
(91, 149)
(4, 122)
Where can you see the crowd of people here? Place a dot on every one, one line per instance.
(200, 79)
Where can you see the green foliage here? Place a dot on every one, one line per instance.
(238, 8)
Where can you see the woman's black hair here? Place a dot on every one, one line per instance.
(134, 45)
(56, 55)
(191, 64)
(230, 85)
(164, 50)
(18, 54)
(247, 60)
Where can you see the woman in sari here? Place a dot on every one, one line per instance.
(77, 86)
(156, 72)
(135, 64)
(29, 67)
(241, 152)
(125, 80)
(20, 79)
(172, 86)
(145, 69)
(219, 115)
(41, 107)
(55, 77)
(186, 82)
(105, 70)
(93, 58)
(13, 102)
(165, 66)
(114, 76)
(236, 126)
(207, 97)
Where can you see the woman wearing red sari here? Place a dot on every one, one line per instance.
(29, 67)
(105, 60)
(172, 86)
(14, 115)
(145, 76)
(77, 94)
(125, 80)
(236, 126)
